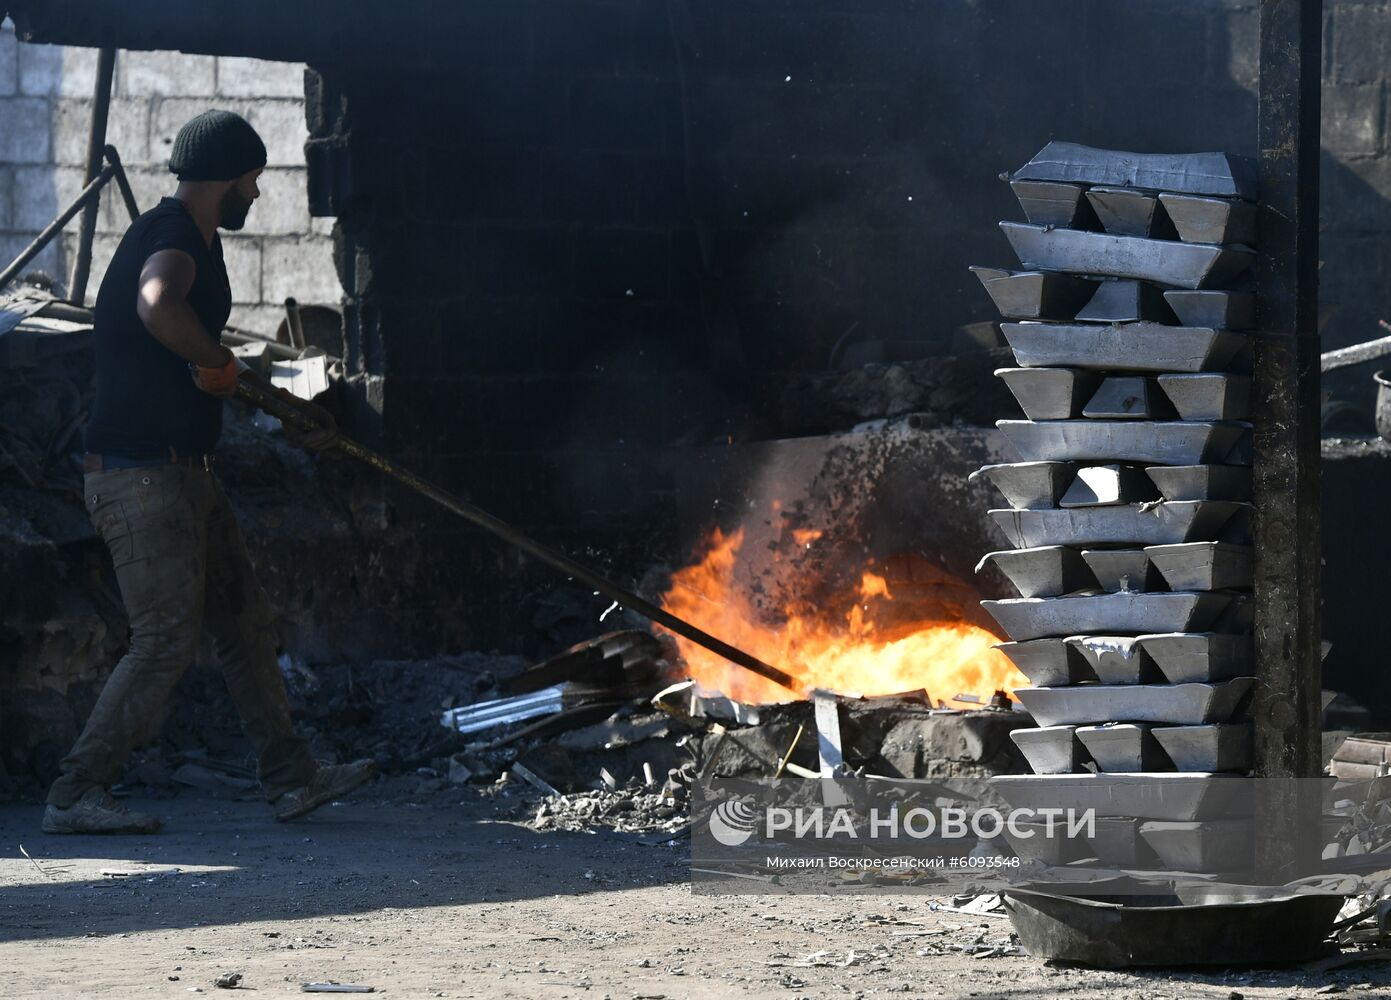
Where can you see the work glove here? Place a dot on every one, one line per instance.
(220, 382)
(321, 437)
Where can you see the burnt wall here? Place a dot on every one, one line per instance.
(616, 228)
(575, 238)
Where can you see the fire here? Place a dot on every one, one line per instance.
(845, 648)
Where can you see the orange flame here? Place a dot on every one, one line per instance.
(839, 649)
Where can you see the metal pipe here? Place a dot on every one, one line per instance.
(293, 322)
(96, 143)
(1354, 355)
(292, 416)
(51, 230)
(127, 195)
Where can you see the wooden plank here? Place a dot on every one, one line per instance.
(1286, 478)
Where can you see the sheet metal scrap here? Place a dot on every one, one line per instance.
(610, 669)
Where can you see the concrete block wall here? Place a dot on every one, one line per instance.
(45, 113)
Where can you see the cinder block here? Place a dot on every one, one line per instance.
(241, 77)
(1361, 41)
(302, 268)
(57, 71)
(49, 260)
(6, 197)
(1352, 116)
(25, 130)
(242, 255)
(1353, 199)
(103, 249)
(282, 127)
(149, 185)
(165, 74)
(171, 113)
(283, 206)
(9, 60)
(127, 128)
(261, 318)
(40, 192)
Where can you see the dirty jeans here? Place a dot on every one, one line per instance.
(181, 565)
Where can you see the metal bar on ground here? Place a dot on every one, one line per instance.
(1286, 484)
(51, 230)
(289, 414)
(96, 142)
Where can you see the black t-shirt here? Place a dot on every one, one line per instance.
(146, 401)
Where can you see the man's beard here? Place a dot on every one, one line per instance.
(232, 211)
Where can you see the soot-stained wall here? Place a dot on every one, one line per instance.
(575, 237)
(611, 229)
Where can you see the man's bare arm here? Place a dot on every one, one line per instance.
(162, 305)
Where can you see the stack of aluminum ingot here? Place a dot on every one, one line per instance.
(1129, 511)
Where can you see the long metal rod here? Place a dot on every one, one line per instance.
(288, 414)
(1355, 355)
(96, 143)
(1286, 482)
(51, 230)
(127, 195)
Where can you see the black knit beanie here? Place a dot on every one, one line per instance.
(216, 146)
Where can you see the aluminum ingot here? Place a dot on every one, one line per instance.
(1222, 746)
(1222, 175)
(1133, 525)
(1135, 347)
(1184, 657)
(1204, 565)
(1142, 442)
(1122, 614)
(1051, 203)
(1124, 301)
(1048, 571)
(1030, 485)
(1051, 750)
(1108, 485)
(1165, 796)
(1127, 212)
(1115, 659)
(1124, 746)
(1035, 294)
(1211, 220)
(1129, 397)
(1214, 845)
(1047, 662)
(1050, 393)
(1181, 265)
(1122, 570)
(1178, 704)
(1202, 482)
(1208, 396)
(1220, 310)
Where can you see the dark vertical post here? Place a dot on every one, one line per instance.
(96, 143)
(1288, 709)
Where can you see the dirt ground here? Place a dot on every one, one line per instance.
(445, 901)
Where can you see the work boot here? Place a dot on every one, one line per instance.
(328, 784)
(97, 812)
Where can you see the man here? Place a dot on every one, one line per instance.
(162, 376)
